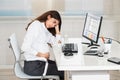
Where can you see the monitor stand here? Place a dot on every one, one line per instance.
(93, 45)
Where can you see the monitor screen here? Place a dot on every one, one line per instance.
(91, 28)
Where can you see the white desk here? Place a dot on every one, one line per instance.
(84, 67)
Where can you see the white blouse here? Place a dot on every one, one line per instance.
(36, 39)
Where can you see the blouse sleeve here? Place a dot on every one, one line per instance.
(54, 39)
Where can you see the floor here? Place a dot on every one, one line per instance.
(115, 75)
(8, 74)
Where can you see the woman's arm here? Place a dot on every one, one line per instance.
(58, 33)
(57, 30)
(54, 39)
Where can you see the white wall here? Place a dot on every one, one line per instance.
(8, 26)
(72, 26)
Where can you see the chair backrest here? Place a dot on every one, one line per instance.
(15, 47)
(17, 53)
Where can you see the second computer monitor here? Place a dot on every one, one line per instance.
(92, 28)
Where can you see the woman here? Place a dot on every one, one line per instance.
(41, 32)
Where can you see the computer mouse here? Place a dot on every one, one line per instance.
(68, 54)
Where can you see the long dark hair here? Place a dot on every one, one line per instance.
(43, 18)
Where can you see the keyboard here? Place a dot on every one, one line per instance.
(70, 48)
(91, 52)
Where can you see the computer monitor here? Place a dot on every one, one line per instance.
(92, 28)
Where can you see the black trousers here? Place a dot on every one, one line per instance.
(36, 68)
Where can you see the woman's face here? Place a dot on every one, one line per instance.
(51, 22)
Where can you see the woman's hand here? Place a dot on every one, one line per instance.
(45, 55)
(58, 32)
(57, 29)
(59, 42)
